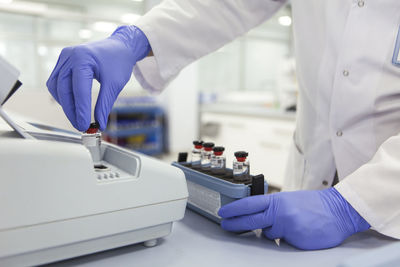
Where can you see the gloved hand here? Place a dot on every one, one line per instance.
(109, 61)
(305, 219)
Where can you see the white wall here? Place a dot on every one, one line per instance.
(180, 101)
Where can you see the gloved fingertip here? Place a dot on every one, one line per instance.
(103, 124)
(270, 233)
(224, 211)
(83, 125)
(231, 226)
(224, 225)
(51, 87)
(229, 210)
(83, 117)
(75, 125)
(71, 118)
(221, 212)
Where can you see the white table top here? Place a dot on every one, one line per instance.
(196, 241)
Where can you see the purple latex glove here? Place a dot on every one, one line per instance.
(109, 61)
(305, 219)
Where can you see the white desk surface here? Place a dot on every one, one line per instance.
(196, 241)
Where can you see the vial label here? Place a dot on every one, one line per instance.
(206, 160)
(240, 171)
(218, 164)
(196, 158)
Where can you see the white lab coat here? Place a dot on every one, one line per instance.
(348, 115)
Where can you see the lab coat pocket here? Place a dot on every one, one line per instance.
(295, 168)
(396, 56)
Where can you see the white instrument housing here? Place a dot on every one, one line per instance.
(55, 205)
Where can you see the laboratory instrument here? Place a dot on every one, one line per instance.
(218, 160)
(55, 204)
(241, 166)
(196, 154)
(206, 156)
(9, 82)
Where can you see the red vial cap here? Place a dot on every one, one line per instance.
(93, 128)
(208, 146)
(241, 159)
(241, 156)
(218, 150)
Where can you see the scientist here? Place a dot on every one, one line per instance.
(348, 119)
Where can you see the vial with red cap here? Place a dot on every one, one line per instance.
(206, 156)
(241, 167)
(218, 160)
(196, 154)
(91, 139)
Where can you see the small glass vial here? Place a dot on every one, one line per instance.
(241, 167)
(196, 154)
(218, 161)
(91, 139)
(206, 156)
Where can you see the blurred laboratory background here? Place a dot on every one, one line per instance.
(242, 97)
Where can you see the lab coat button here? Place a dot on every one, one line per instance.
(361, 3)
(339, 133)
(325, 183)
(346, 73)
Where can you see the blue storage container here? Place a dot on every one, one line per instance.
(207, 193)
(137, 126)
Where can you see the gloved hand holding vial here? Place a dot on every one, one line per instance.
(109, 61)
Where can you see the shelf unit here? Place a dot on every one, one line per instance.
(139, 127)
